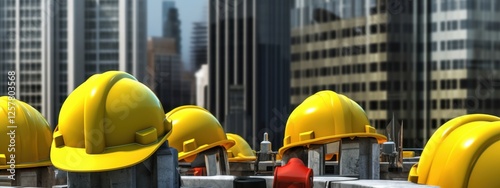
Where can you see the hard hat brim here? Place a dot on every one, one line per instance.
(325, 140)
(224, 143)
(29, 165)
(73, 159)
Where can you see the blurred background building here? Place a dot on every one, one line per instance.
(199, 42)
(248, 63)
(55, 45)
(165, 70)
(171, 23)
(425, 65)
(168, 76)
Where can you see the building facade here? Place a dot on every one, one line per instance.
(171, 23)
(55, 45)
(248, 59)
(199, 44)
(423, 61)
(165, 73)
(465, 62)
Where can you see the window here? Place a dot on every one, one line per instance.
(373, 86)
(373, 67)
(373, 105)
(443, 45)
(383, 47)
(396, 86)
(324, 36)
(355, 87)
(333, 34)
(433, 6)
(346, 69)
(445, 65)
(463, 24)
(433, 27)
(396, 105)
(323, 71)
(486, 5)
(346, 32)
(383, 28)
(458, 64)
(445, 104)
(307, 55)
(383, 105)
(332, 53)
(373, 7)
(305, 90)
(335, 70)
(345, 88)
(383, 85)
(358, 31)
(453, 84)
(296, 74)
(383, 66)
(433, 85)
(373, 48)
(444, 5)
(373, 29)
(332, 87)
(471, 5)
(434, 46)
(454, 25)
(443, 26)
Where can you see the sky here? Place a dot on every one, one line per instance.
(189, 11)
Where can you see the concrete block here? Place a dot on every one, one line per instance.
(126, 178)
(216, 161)
(359, 157)
(316, 159)
(167, 160)
(77, 180)
(29, 177)
(160, 170)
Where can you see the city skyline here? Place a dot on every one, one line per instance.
(423, 62)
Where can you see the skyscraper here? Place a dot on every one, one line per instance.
(424, 61)
(366, 51)
(60, 43)
(171, 23)
(249, 59)
(199, 44)
(23, 49)
(165, 72)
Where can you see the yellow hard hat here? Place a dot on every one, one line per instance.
(326, 117)
(25, 134)
(195, 129)
(241, 151)
(461, 153)
(109, 122)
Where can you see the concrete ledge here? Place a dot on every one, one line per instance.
(377, 184)
(319, 182)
